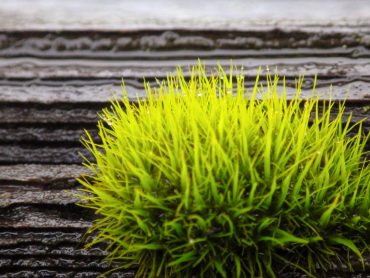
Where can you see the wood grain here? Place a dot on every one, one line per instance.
(54, 82)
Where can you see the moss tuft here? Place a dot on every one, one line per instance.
(204, 178)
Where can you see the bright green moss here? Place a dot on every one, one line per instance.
(205, 178)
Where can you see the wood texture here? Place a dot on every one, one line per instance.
(194, 14)
(54, 81)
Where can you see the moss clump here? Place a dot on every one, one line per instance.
(204, 178)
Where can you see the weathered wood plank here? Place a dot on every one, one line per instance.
(36, 174)
(58, 93)
(12, 134)
(87, 115)
(352, 90)
(52, 151)
(30, 68)
(16, 154)
(39, 115)
(45, 237)
(46, 216)
(49, 155)
(27, 195)
(179, 44)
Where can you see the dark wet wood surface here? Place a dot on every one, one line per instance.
(53, 83)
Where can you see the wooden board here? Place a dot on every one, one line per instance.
(57, 72)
